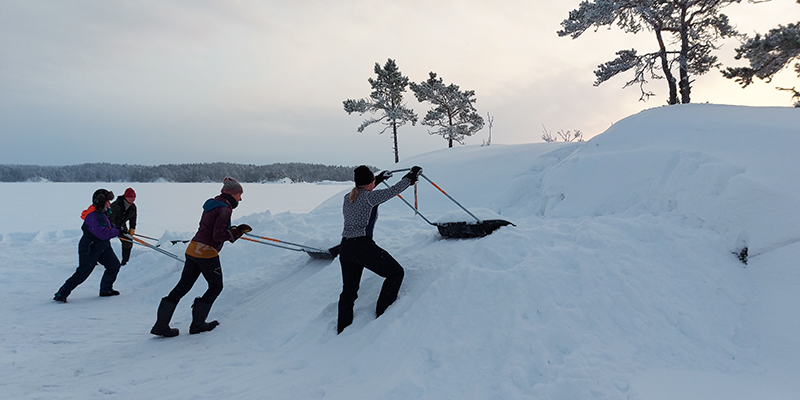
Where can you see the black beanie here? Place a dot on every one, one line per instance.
(363, 176)
(100, 197)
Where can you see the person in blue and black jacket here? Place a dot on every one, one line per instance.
(95, 247)
(358, 251)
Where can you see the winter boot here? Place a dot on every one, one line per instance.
(200, 311)
(164, 315)
(60, 297)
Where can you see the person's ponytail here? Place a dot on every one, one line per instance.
(354, 194)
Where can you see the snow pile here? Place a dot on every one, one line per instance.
(617, 282)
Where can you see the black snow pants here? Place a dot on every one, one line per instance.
(210, 268)
(90, 253)
(355, 255)
(127, 245)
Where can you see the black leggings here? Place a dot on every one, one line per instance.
(355, 255)
(211, 270)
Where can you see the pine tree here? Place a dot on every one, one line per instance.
(768, 54)
(453, 115)
(693, 25)
(387, 99)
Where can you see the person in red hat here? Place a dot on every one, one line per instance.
(202, 258)
(123, 216)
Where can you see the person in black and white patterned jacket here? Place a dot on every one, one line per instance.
(358, 251)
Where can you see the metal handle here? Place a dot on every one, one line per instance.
(450, 197)
(164, 252)
(143, 236)
(285, 242)
(409, 205)
(271, 244)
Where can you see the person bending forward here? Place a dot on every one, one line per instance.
(358, 251)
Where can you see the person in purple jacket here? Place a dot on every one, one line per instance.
(95, 247)
(202, 258)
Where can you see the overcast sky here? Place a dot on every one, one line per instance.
(178, 81)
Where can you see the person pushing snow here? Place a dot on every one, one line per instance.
(202, 257)
(123, 212)
(358, 251)
(95, 247)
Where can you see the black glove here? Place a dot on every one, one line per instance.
(384, 175)
(239, 230)
(334, 251)
(414, 174)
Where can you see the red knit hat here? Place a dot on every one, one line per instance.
(129, 193)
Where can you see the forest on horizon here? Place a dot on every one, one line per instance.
(197, 172)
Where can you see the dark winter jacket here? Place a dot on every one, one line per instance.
(215, 224)
(360, 216)
(122, 212)
(97, 228)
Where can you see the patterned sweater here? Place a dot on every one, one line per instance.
(360, 216)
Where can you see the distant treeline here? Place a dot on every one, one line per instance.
(208, 172)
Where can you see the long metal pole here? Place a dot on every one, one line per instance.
(271, 244)
(410, 206)
(451, 198)
(285, 242)
(164, 252)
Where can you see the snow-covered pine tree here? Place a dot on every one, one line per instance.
(694, 26)
(387, 99)
(768, 55)
(453, 115)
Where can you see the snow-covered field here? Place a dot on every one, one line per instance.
(617, 282)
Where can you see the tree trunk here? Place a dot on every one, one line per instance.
(684, 59)
(673, 89)
(396, 150)
(450, 132)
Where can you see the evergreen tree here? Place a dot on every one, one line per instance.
(768, 54)
(453, 115)
(387, 99)
(693, 25)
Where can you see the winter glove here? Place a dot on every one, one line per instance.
(384, 175)
(238, 231)
(124, 233)
(414, 174)
(131, 231)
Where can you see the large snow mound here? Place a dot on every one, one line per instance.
(619, 268)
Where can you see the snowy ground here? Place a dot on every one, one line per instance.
(618, 281)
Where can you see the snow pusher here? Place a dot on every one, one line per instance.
(312, 252)
(456, 230)
(145, 244)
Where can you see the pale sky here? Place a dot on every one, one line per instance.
(185, 81)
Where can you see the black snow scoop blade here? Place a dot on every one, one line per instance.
(320, 255)
(458, 230)
(468, 230)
